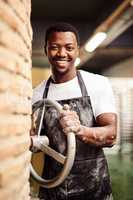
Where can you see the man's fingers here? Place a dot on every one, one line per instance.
(73, 129)
(66, 121)
(69, 120)
(69, 115)
(66, 107)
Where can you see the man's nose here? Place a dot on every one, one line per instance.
(62, 52)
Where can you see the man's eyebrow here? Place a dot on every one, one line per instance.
(56, 43)
(69, 43)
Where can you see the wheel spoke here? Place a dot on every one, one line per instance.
(54, 154)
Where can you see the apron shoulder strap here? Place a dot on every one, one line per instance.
(45, 93)
(82, 84)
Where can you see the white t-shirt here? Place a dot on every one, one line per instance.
(98, 88)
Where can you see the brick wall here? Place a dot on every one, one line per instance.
(15, 98)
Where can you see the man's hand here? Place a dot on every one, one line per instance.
(34, 117)
(69, 120)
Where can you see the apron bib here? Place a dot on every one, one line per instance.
(89, 177)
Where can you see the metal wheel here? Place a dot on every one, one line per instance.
(66, 161)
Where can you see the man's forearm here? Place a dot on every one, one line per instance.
(99, 136)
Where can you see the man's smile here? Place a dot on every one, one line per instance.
(61, 59)
(61, 62)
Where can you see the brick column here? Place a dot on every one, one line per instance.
(15, 98)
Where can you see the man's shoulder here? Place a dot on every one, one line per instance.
(93, 79)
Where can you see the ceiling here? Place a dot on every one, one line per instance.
(114, 16)
(72, 10)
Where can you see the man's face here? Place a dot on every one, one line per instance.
(62, 51)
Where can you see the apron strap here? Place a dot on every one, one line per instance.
(45, 93)
(81, 84)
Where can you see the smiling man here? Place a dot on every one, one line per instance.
(90, 114)
(62, 50)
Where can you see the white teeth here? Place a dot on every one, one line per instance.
(62, 60)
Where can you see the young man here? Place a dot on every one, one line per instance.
(90, 115)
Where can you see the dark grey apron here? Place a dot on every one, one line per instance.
(89, 177)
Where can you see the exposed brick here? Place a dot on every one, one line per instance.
(27, 4)
(13, 167)
(15, 63)
(10, 17)
(15, 83)
(19, 8)
(12, 191)
(25, 192)
(29, 29)
(13, 41)
(12, 103)
(14, 124)
(14, 146)
(15, 98)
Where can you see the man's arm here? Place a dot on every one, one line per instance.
(104, 134)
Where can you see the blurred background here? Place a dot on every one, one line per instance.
(109, 24)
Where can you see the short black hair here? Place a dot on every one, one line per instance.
(61, 27)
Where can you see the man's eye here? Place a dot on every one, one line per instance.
(53, 47)
(70, 48)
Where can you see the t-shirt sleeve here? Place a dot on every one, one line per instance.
(102, 98)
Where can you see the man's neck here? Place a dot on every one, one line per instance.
(61, 78)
